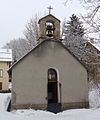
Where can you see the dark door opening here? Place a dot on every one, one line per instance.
(52, 92)
(52, 86)
(0, 85)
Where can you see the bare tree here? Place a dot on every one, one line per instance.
(31, 32)
(92, 17)
(19, 47)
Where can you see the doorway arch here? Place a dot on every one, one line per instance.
(52, 86)
(53, 91)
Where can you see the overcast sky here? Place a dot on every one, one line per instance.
(14, 14)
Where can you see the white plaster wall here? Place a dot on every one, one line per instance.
(30, 75)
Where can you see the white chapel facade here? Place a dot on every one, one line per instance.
(49, 77)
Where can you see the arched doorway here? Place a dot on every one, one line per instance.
(52, 86)
(53, 91)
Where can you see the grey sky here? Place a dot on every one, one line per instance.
(14, 14)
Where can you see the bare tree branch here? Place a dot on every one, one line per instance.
(92, 17)
(31, 31)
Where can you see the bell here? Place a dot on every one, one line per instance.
(50, 30)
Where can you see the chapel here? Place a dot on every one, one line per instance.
(49, 77)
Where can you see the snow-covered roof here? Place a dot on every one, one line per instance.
(6, 55)
(96, 45)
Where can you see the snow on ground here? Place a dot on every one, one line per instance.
(94, 95)
(77, 114)
(4, 101)
(74, 114)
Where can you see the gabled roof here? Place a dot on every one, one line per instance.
(47, 40)
(95, 46)
(47, 16)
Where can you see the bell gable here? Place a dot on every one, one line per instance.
(49, 26)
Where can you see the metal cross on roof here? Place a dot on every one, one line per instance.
(50, 8)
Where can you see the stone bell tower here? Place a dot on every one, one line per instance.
(49, 27)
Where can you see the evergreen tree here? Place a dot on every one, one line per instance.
(74, 36)
(74, 26)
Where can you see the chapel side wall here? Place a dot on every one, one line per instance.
(30, 76)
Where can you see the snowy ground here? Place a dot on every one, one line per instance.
(75, 114)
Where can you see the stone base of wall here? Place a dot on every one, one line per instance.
(64, 106)
(75, 105)
(28, 106)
